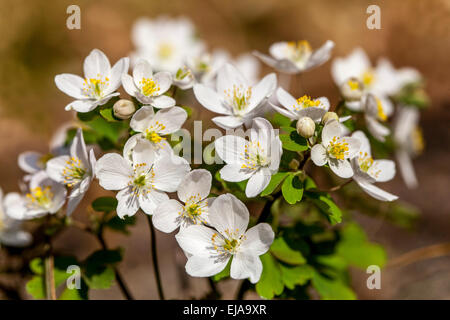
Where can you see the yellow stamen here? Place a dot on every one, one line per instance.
(307, 102)
(165, 50)
(368, 77)
(337, 148)
(40, 196)
(149, 87)
(354, 85)
(381, 115)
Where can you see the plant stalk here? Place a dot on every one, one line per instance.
(155, 258)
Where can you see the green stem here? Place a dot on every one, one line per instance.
(49, 277)
(155, 258)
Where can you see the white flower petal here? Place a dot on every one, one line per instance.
(377, 130)
(166, 217)
(258, 239)
(82, 105)
(375, 192)
(196, 182)
(209, 99)
(227, 77)
(55, 168)
(286, 99)
(205, 266)
(196, 240)
(365, 144)
(71, 85)
(143, 154)
(228, 122)
(231, 148)
(341, 168)
(382, 170)
(78, 148)
(129, 85)
(258, 182)
(163, 102)
(142, 119)
(128, 203)
(290, 114)
(319, 155)
(113, 172)
(169, 172)
(172, 119)
(163, 81)
(30, 161)
(16, 238)
(245, 266)
(407, 169)
(120, 68)
(321, 55)
(262, 90)
(150, 201)
(229, 213)
(142, 70)
(330, 130)
(95, 64)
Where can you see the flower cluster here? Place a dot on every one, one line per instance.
(260, 163)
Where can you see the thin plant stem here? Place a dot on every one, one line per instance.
(155, 258)
(215, 292)
(50, 289)
(123, 287)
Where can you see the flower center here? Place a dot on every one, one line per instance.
(40, 197)
(142, 180)
(239, 98)
(299, 51)
(254, 156)
(338, 148)
(73, 172)
(380, 112)
(165, 51)
(231, 242)
(365, 161)
(368, 77)
(149, 87)
(353, 85)
(183, 73)
(194, 209)
(94, 87)
(306, 102)
(152, 133)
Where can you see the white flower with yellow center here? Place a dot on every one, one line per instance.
(409, 142)
(44, 196)
(165, 42)
(153, 127)
(296, 56)
(99, 85)
(369, 171)
(256, 159)
(33, 161)
(147, 87)
(335, 150)
(209, 250)
(193, 192)
(304, 106)
(76, 170)
(143, 183)
(11, 232)
(235, 98)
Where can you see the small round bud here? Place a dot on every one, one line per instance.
(124, 109)
(306, 127)
(352, 89)
(329, 116)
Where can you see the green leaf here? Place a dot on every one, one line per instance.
(326, 205)
(37, 266)
(121, 225)
(104, 204)
(292, 189)
(73, 294)
(225, 273)
(293, 141)
(108, 115)
(298, 275)
(101, 279)
(278, 120)
(36, 287)
(357, 250)
(283, 252)
(309, 183)
(271, 283)
(103, 128)
(275, 181)
(332, 289)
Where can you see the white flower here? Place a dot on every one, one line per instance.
(335, 150)
(193, 192)
(206, 65)
(304, 106)
(153, 127)
(295, 57)
(234, 98)
(409, 142)
(184, 78)
(76, 170)
(33, 161)
(209, 250)
(368, 171)
(165, 42)
(250, 66)
(45, 196)
(256, 160)
(99, 85)
(11, 233)
(384, 80)
(147, 87)
(143, 183)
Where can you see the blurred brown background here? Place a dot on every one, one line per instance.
(36, 45)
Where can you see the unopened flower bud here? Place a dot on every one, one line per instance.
(124, 109)
(306, 127)
(329, 116)
(352, 89)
